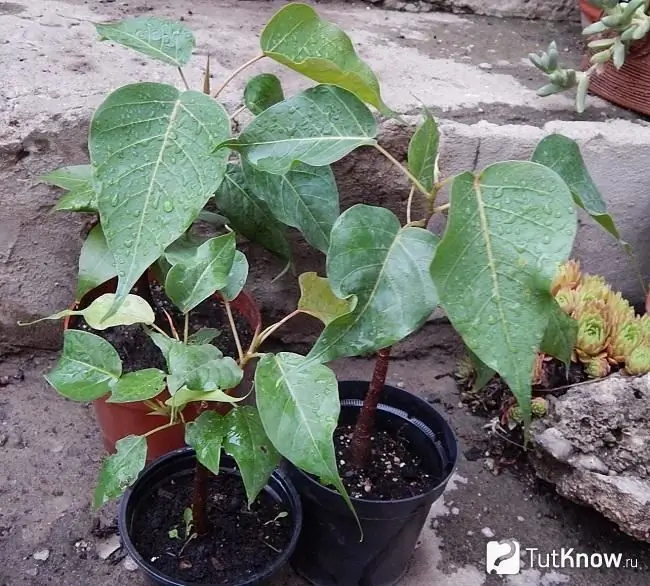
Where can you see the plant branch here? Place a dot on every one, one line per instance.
(442, 208)
(409, 204)
(361, 444)
(161, 428)
(237, 72)
(186, 328)
(235, 335)
(172, 327)
(159, 330)
(187, 85)
(237, 112)
(272, 328)
(403, 169)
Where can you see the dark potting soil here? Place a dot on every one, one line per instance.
(136, 349)
(394, 471)
(241, 542)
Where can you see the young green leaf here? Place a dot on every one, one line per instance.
(305, 198)
(78, 200)
(298, 402)
(203, 336)
(206, 434)
(247, 442)
(262, 92)
(222, 373)
(298, 38)
(96, 264)
(508, 228)
(318, 126)
(236, 278)
(120, 470)
(387, 268)
(134, 310)
(77, 179)
(87, 367)
(423, 152)
(562, 154)
(318, 299)
(164, 343)
(190, 283)
(165, 40)
(183, 249)
(140, 385)
(152, 148)
(184, 396)
(249, 215)
(183, 360)
(560, 335)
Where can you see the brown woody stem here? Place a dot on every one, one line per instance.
(199, 499)
(361, 444)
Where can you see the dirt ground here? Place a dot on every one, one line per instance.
(50, 452)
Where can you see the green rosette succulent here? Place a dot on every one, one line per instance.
(638, 362)
(644, 323)
(624, 340)
(597, 367)
(620, 310)
(593, 288)
(593, 330)
(568, 300)
(538, 406)
(568, 277)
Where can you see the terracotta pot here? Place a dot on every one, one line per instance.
(117, 420)
(629, 86)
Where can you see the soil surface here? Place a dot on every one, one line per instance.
(241, 541)
(393, 472)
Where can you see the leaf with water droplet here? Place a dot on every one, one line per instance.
(262, 92)
(96, 264)
(78, 180)
(474, 256)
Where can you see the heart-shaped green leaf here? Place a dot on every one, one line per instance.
(77, 179)
(262, 92)
(189, 283)
(249, 215)
(183, 249)
(206, 434)
(96, 265)
(247, 442)
(120, 470)
(203, 336)
(562, 154)
(318, 299)
(423, 152)
(140, 385)
(184, 396)
(164, 343)
(236, 278)
(221, 373)
(508, 229)
(387, 268)
(298, 38)
(305, 198)
(184, 359)
(298, 402)
(560, 335)
(165, 40)
(152, 148)
(318, 126)
(87, 367)
(134, 310)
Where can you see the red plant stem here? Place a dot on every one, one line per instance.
(361, 445)
(199, 500)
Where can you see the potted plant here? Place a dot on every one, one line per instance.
(618, 68)
(508, 228)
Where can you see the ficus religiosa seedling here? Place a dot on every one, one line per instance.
(160, 154)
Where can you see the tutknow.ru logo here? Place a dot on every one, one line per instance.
(504, 558)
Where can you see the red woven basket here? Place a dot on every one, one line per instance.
(629, 86)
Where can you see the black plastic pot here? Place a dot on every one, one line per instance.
(181, 463)
(329, 551)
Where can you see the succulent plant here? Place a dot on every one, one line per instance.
(568, 300)
(644, 323)
(514, 416)
(567, 278)
(625, 338)
(638, 362)
(597, 367)
(593, 329)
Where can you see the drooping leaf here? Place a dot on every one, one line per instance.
(318, 126)
(508, 228)
(249, 215)
(120, 470)
(305, 198)
(152, 148)
(140, 385)
(298, 402)
(96, 265)
(87, 367)
(134, 310)
(483, 373)
(562, 154)
(236, 278)
(203, 336)
(189, 283)
(423, 152)
(387, 268)
(318, 299)
(77, 179)
(78, 200)
(164, 343)
(247, 442)
(206, 434)
(184, 396)
(560, 335)
(183, 360)
(262, 92)
(183, 249)
(165, 40)
(298, 38)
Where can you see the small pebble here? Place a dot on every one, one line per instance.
(485, 66)
(41, 555)
(520, 518)
(32, 572)
(129, 564)
(487, 532)
(455, 511)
